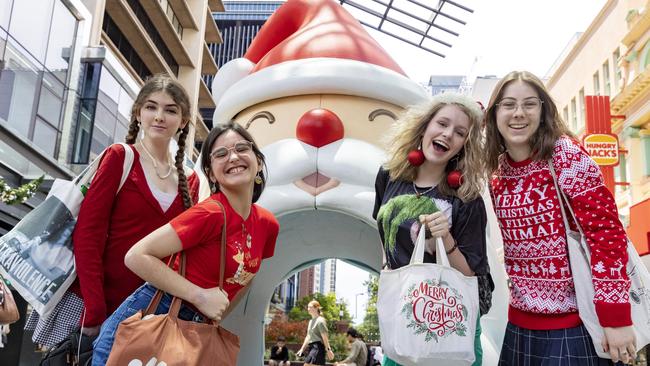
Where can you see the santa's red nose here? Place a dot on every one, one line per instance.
(319, 127)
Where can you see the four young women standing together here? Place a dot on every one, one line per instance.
(524, 139)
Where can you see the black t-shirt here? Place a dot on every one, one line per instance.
(397, 210)
(283, 355)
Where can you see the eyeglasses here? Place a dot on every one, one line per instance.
(222, 153)
(528, 105)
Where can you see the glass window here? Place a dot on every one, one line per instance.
(18, 88)
(620, 171)
(3, 44)
(104, 119)
(101, 140)
(125, 104)
(596, 84)
(606, 81)
(49, 106)
(5, 13)
(574, 115)
(617, 70)
(120, 131)
(645, 141)
(61, 43)
(565, 114)
(109, 88)
(581, 101)
(45, 136)
(85, 113)
(84, 131)
(32, 32)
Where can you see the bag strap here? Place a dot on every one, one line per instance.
(562, 198)
(417, 256)
(87, 175)
(222, 261)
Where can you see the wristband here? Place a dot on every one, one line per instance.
(453, 248)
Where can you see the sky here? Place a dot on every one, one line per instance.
(500, 36)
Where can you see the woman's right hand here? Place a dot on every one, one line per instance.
(299, 353)
(212, 302)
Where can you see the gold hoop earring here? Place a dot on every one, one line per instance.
(258, 179)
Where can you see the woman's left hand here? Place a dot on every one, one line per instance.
(437, 223)
(330, 355)
(620, 342)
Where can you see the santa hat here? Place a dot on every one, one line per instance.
(311, 47)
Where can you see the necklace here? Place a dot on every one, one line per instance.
(155, 163)
(419, 194)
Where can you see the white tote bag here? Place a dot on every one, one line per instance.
(427, 312)
(36, 255)
(580, 261)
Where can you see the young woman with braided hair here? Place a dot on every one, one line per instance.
(110, 222)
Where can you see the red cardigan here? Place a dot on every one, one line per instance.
(107, 227)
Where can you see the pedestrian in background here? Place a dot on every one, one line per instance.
(316, 346)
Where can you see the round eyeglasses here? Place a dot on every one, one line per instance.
(528, 105)
(222, 153)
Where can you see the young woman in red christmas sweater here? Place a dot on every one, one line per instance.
(523, 133)
(234, 165)
(110, 222)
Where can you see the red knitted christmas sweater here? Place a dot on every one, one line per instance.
(542, 294)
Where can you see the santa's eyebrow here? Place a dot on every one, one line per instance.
(263, 114)
(381, 112)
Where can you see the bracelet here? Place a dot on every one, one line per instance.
(453, 248)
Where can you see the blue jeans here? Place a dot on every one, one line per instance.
(138, 300)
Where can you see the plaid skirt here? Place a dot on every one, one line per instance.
(560, 347)
(63, 320)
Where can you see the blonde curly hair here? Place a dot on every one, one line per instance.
(406, 135)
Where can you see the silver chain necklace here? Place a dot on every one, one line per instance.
(420, 194)
(155, 163)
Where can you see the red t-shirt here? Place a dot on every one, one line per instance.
(248, 242)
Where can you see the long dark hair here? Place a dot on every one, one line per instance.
(206, 160)
(164, 83)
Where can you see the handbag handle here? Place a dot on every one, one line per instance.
(175, 305)
(417, 256)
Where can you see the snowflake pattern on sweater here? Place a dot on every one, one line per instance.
(534, 237)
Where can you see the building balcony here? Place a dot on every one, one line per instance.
(212, 34)
(201, 129)
(205, 97)
(216, 5)
(208, 66)
(129, 25)
(637, 29)
(167, 32)
(184, 14)
(631, 92)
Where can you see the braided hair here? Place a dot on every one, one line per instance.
(165, 83)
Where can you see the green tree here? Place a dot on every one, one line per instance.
(330, 309)
(370, 326)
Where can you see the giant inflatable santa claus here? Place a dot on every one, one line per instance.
(318, 92)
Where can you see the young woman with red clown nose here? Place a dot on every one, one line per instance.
(429, 148)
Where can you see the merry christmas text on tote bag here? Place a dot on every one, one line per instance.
(427, 312)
